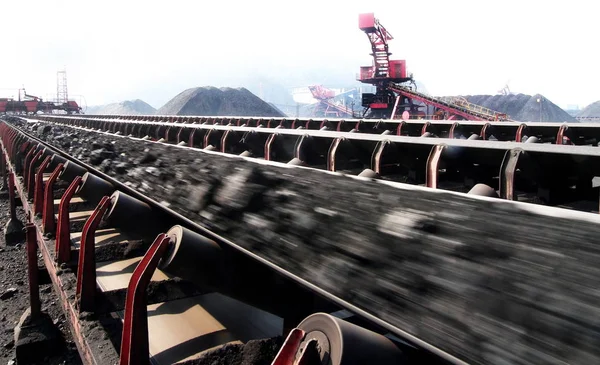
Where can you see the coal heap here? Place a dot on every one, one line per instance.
(212, 101)
(128, 107)
(591, 111)
(522, 107)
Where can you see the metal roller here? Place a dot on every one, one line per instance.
(191, 254)
(368, 173)
(343, 343)
(532, 139)
(55, 160)
(483, 190)
(94, 188)
(132, 215)
(70, 171)
(203, 262)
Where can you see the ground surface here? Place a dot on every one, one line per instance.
(488, 282)
(13, 275)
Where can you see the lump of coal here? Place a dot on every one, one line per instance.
(99, 155)
(8, 293)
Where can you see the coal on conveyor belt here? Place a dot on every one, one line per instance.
(490, 282)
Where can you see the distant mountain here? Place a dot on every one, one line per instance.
(128, 107)
(212, 101)
(592, 110)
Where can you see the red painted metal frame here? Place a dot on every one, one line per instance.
(483, 133)
(562, 135)
(135, 348)
(332, 154)
(268, 145)
(48, 219)
(11, 196)
(28, 157)
(38, 201)
(507, 174)
(436, 104)
(519, 134)
(376, 157)
(86, 268)
(425, 127)
(32, 269)
(83, 346)
(287, 352)
(30, 181)
(433, 162)
(63, 236)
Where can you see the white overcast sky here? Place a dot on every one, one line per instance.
(118, 50)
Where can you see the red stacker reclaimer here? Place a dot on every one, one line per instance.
(396, 94)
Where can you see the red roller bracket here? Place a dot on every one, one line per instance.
(48, 219)
(134, 342)
(28, 158)
(32, 268)
(38, 201)
(63, 236)
(86, 269)
(30, 181)
(433, 162)
(287, 353)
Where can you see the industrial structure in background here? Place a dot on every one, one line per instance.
(31, 104)
(395, 97)
(331, 104)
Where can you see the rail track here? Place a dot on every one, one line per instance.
(245, 248)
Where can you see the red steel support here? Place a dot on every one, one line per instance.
(191, 138)
(206, 138)
(32, 268)
(223, 148)
(332, 153)
(287, 352)
(30, 182)
(433, 163)
(426, 126)
(399, 128)
(3, 172)
(562, 135)
(12, 196)
(86, 268)
(28, 157)
(507, 174)
(268, 145)
(63, 236)
(452, 130)
(519, 134)
(134, 341)
(483, 133)
(38, 201)
(48, 219)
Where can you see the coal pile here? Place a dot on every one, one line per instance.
(128, 107)
(523, 108)
(591, 111)
(465, 275)
(212, 101)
